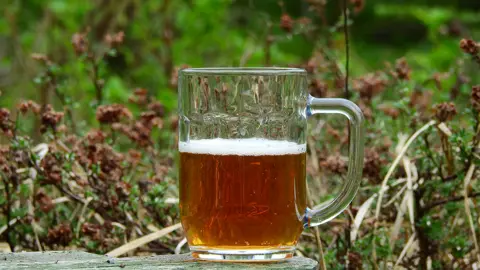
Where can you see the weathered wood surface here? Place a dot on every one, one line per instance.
(71, 260)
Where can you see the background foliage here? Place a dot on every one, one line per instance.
(71, 178)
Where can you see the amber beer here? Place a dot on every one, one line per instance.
(242, 194)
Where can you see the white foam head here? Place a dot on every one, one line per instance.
(241, 147)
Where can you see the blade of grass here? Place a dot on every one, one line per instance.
(397, 225)
(143, 240)
(468, 212)
(362, 212)
(314, 160)
(81, 217)
(409, 191)
(405, 249)
(11, 223)
(396, 196)
(387, 177)
(178, 248)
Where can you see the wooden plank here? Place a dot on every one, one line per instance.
(47, 257)
(72, 260)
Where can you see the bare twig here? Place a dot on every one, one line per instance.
(96, 80)
(447, 200)
(447, 150)
(311, 204)
(476, 58)
(167, 37)
(347, 47)
(430, 156)
(15, 126)
(70, 194)
(61, 97)
(268, 44)
(320, 249)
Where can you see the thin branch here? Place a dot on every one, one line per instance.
(70, 194)
(347, 47)
(268, 44)
(96, 80)
(311, 204)
(451, 199)
(450, 177)
(447, 150)
(430, 156)
(62, 98)
(476, 58)
(15, 127)
(167, 38)
(318, 239)
(58, 186)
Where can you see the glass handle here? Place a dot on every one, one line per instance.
(314, 217)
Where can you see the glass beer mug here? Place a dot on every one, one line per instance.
(242, 134)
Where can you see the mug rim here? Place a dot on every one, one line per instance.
(243, 71)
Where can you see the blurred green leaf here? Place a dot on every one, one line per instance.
(115, 90)
(168, 98)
